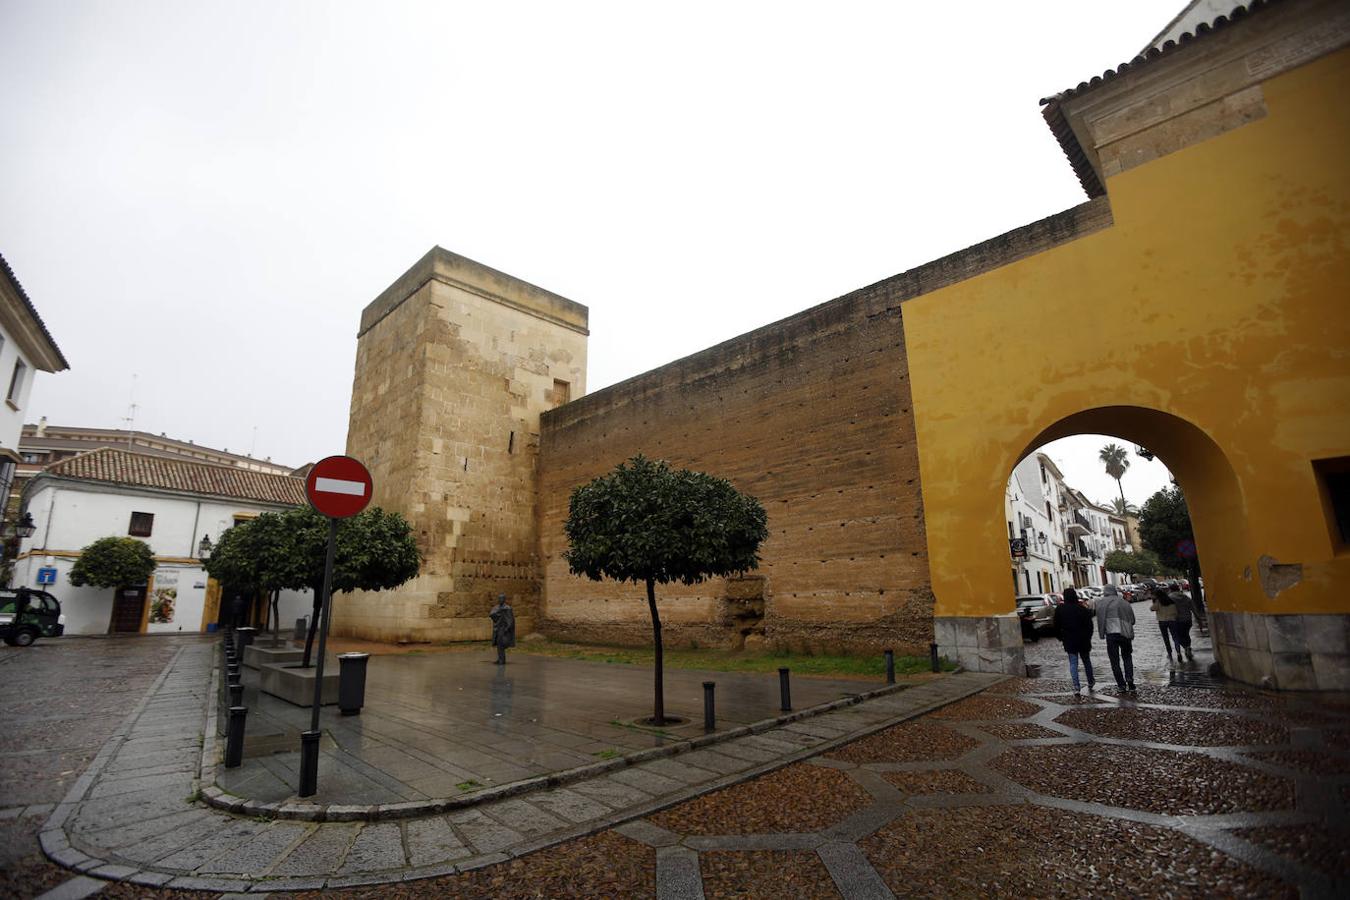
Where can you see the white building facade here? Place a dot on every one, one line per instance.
(168, 503)
(26, 347)
(1035, 505)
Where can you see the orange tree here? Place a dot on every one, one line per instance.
(650, 524)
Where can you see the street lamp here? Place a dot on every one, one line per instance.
(25, 528)
(204, 548)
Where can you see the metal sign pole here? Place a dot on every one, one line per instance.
(309, 741)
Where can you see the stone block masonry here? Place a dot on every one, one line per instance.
(455, 363)
(812, 416)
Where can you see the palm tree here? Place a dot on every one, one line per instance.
(1124, 507)
(1117, 460)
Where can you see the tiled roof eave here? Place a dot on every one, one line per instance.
(32, 311)
(141, 471)
(223, 499)
(1059, 125)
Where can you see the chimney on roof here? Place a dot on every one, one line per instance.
(42, 427)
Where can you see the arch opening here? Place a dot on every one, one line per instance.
(1072, 527)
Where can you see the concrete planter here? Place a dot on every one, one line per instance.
(256, 656)
(296, 685)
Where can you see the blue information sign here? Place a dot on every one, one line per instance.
(47, 575)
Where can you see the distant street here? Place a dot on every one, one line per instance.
(1151, 665)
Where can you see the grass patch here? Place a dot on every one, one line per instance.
(607, 753)
(645, 729)
(469, 785)
(737, 661)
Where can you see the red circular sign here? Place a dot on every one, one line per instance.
(338, 486)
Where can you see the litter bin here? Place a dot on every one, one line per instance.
(352, 682)
(301, 628)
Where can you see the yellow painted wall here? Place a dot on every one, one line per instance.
(1220, 297)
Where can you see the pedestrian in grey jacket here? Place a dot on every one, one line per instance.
(1115, 624)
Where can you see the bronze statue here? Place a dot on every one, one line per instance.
(503, 627)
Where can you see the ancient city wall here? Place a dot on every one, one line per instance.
(811, 415)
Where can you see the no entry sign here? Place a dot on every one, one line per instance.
(338, 487)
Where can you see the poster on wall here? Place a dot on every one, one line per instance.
(165, 597)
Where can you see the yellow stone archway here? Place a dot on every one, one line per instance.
(1209, 321)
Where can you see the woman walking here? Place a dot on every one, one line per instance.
(1073, 624)
(1167, 614)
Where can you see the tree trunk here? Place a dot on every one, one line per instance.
(659, 706)
(313, 624)
(1124, 504)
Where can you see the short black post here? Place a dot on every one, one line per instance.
(890, 667)
(234, 737)
(709, 707)
(236, 694)
(232, 674)
(933, 658)
(352, 682)
(246, 636)
(309, 763)
(784, 690)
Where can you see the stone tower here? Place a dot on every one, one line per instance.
(454, 364)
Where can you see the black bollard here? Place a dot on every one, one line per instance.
(709, 708)
(236, 694)
(890, 667)
(309, 763)
(232, 674)
(234, 737)
(246, 636)
(933, 658)
(784, 690)
(352, 682)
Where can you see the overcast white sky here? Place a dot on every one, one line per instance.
(205, 195)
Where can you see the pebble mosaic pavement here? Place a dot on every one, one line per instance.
(1020, 789)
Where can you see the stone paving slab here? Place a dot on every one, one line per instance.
(159, 831)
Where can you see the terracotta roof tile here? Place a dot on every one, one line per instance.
(139, 470)
(1059, 126)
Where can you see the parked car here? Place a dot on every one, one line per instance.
(41, 617)
(1037, 613)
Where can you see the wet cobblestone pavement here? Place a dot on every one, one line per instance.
(1019, 790)
(61, 701)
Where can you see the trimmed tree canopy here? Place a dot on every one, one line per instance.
(1145, 562)
(648, 522)
(285, 551)
(113, 562)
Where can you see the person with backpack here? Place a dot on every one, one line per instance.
(1167, 614)
(1073, 624)
(1115, 625)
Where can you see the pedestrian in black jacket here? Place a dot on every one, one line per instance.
(1074, 625)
